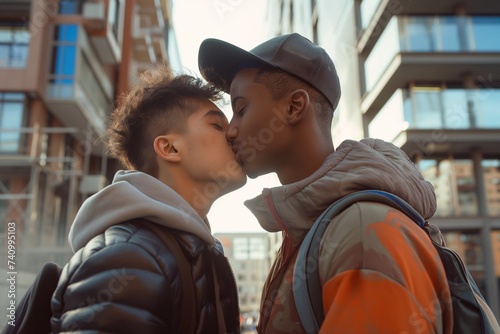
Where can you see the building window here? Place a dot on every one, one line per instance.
(14, 46)
(11, 122)
(249, 249)
(416, 34)
(449, 34)
(63, 62)
(70, 7)
(491, 170)
(454, 185)
(485, 32)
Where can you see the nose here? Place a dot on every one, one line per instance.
(232, 132)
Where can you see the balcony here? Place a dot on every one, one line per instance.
(21, 147)
(78, 93)
(150, 27)
(432, 121)
(375, 14)
(102, 32)
(430, 49)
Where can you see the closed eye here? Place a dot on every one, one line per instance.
(218, 126)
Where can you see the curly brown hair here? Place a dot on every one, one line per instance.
(158, 104)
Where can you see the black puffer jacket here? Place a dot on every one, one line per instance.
(127, 281)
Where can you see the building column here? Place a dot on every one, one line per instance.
(490, 279)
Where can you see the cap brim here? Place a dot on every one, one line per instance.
(219, 60)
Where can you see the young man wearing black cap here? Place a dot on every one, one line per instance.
(379, 272)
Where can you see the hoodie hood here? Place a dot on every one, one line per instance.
(131, 195)
(367, 164)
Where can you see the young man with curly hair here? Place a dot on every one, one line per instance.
(378, 270)
(124, 277)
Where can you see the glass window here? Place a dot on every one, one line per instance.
(70, 7)
(63, 62)
(448, 34)
(491, 169)
(456, 109)
(14, 46)
(465, 188)
(438, 173)
(487, 108)
(418, 34)
(11, 121)
(486, 31)
(249, 249)
(454, 185)
(427, 106)
(257, 249)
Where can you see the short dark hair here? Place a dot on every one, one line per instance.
(281, 83)
(159, 103)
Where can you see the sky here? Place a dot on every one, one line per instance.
(243, 23)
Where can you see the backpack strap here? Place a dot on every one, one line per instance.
(187, 313)
(307, 289)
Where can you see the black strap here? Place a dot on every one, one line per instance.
(188, 307)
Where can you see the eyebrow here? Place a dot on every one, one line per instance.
(216, 113)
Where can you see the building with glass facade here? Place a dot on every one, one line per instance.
(424, 75)
(62, 66)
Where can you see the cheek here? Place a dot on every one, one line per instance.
(253, 122)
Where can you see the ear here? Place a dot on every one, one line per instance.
(164, 147)
(298, 106)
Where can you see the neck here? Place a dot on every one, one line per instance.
(195, 194)
(306, 158)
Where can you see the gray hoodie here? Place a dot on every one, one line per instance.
(134, 194)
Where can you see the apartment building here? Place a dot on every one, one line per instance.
(250, 258)
(62, 66)
(424, 75)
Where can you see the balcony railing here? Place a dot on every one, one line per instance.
(28, 145)
(436, 108)
(431, 35)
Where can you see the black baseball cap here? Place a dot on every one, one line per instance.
(219, 62)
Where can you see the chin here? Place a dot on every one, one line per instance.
(240, 182)
(233, 185)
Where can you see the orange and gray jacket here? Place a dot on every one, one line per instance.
(378, 269)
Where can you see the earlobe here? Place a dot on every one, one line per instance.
(298, 106)
(164, 147)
